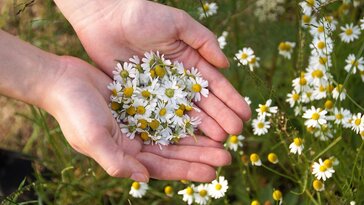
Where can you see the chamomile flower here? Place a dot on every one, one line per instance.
(201, 194)
(340, 117)
(222, 39)
(322, 170)
(357, 123)
(168, 190)
(318, 185)
(255, 160)
(320, 61)
(234, 142)
(285, 49)
(266, 109)
(339, 92)
(315, 117)
(324, 132)
(124, 71)
(253, 63)
(350, 33)
(115, 88)
(319, 92)
(272, 158)
(208, 9)
(244, 56)
(353, 64)
(138, 189)
(307, 20)
(260, 126)
(187, 194)
(300, 84)
(296, 146)
(218, 187)
(322, 46)
(309, 6)
(199, 87)
(277, 196)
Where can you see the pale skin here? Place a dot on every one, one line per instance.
(75, 92)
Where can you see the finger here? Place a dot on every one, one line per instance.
(172, 169)
(222, 114)
(209, 126)
(200, 141)
(202, 39)
(207, 155)
(112, 159)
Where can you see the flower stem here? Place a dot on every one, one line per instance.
(280, 174)
(328, 147)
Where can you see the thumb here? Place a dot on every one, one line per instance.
(114, 160)
(202, 39)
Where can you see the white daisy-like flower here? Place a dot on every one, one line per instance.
(322, 46)
(319, 92)
(255, 160)
(244, 56)
(322, 170)
(267, 109)
(293, 98)
(187, 194)
(124, 71)
(320, 61)
(320, 29)
(315, 117)
(350, 33)
(198, 88)
(285, 49)
(208, 9)
(260, 126)
(330, 23)
(218, 188)
(300, 84)
(115, 88)
(222, 39)
(253, 63)
(138, 189)
(307, 20)
(201, 194)
(296, 146)
(353, 64)
(234, 142)
(309, 6)
(318, 185)
(317, 76)
(357, 123)
(324, 132)
(341, 117)
(307, 96)
(339, 92)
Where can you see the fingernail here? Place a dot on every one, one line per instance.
(139, 177)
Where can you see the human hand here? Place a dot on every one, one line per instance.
(78, 98)
(118, 29)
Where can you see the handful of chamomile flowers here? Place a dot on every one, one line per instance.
(151, 97)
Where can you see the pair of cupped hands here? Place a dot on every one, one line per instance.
(119, 29)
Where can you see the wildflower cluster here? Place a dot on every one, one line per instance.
(246, 57)
(262, 123)
(269, 10)
(151, 97)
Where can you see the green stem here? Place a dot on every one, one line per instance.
(280, 174)
(311, 197)
(327, 148)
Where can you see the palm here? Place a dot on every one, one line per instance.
(89, 127)
(120, 31)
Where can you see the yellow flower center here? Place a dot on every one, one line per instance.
(168, 190)
(140, 110)
(317, 185)
(260, 125)
(263, 108)
(297, 141)
(144, 136)
(254, 157)
(136, 185)
(295, 97)
(303, 81)
(196, 88)
(131, 110)
(321, 45)
(277, 195)
(320, 29)
(206, 7)
(244, 56)
(154, 124)
(306, 19)
(315, 116)
(322, 88)
(317, 74)
(115, 106)
(218, 187)
(160, 71)
(357, 122)
(284, 46)
(233, 139)
(145, 93)
(253, 60)
(255, 202)
(322, 60)
(179, 112)
(329, 104)
(189, 191)
(328, 163)
(169, 92)
(323, 168)
(124, 74)
(114, 92)
(339, 87)
(355, 63)
(152, 73)
(272, 158)
(162, 112)
(128, 92)
(203, 193)
(142, 123)
(349, 31)
(339, 116)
